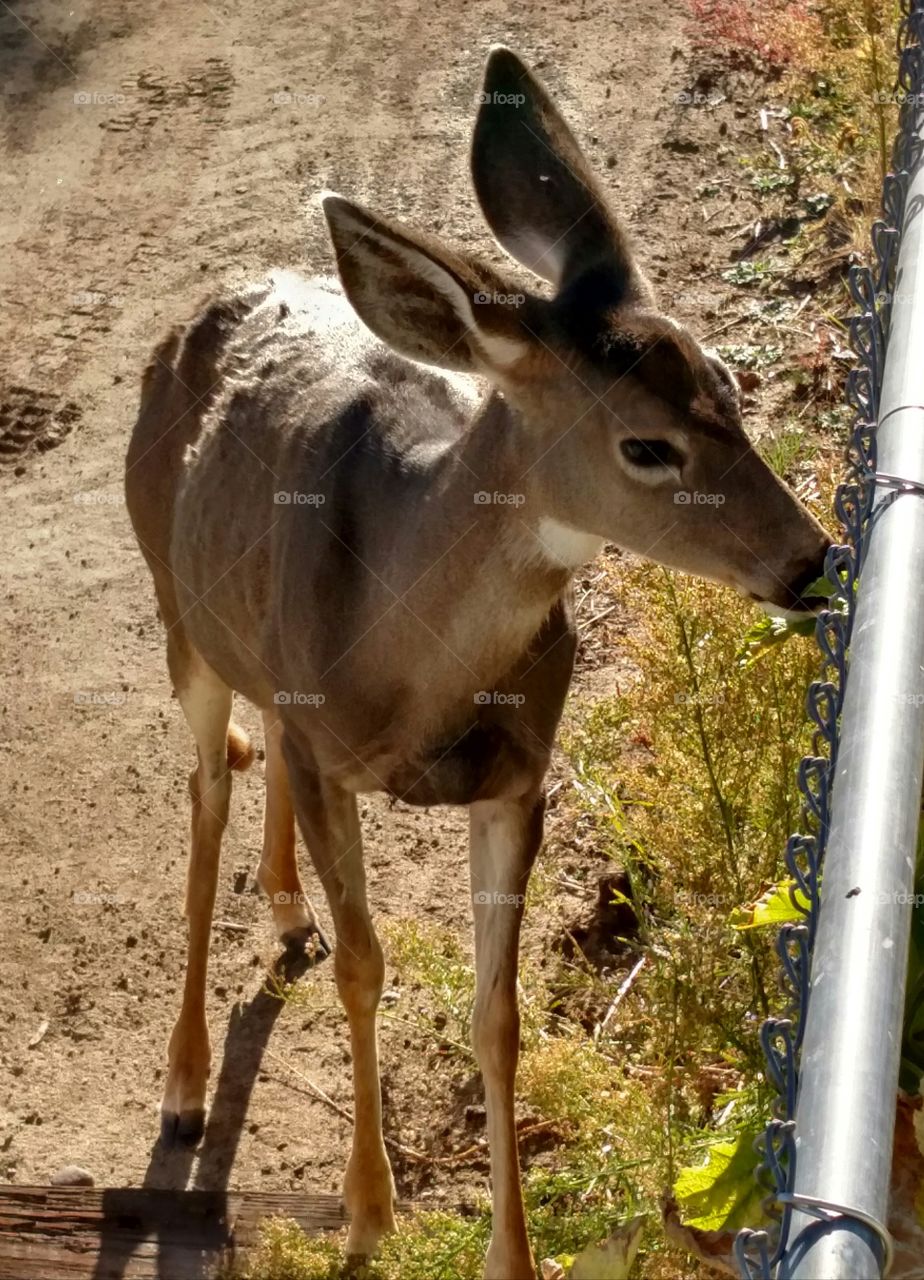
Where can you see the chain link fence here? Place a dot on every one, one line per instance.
(833, 1055)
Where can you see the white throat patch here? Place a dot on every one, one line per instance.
(566, 546)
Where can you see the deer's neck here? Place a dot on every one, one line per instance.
(512, 558)
(508, 466)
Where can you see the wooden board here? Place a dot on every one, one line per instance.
(89, 1233)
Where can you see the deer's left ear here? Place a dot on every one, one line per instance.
(424, 301)
(537, 190)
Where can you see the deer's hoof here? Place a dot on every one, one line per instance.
(182, 1128)
(307, 940)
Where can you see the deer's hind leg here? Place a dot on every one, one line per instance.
(206, 702)
(296, 923)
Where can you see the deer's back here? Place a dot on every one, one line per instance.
(275, 413)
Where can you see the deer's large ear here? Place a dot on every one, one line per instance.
(536, 188)
(424, 301)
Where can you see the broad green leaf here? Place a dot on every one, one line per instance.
(611, 1260)
(768, 632)
(820, 587)
(774, 906)
(722, 1192)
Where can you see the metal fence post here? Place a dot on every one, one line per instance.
(850, 1055)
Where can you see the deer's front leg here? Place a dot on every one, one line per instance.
(330, 824)
(504, 839)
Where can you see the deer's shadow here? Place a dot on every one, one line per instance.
(170, 1168)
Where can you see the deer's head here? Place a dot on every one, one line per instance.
(634, 428)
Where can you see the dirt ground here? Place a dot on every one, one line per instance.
(151, 150)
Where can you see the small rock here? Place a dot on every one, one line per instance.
(39, 1035)
(72, 1175)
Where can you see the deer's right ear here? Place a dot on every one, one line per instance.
(536, 189)
(424, 301)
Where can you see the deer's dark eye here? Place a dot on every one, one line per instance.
(651, 453)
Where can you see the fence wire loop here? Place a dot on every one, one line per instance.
(828, 1211)
(757, 1252)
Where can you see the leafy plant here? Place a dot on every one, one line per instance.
(783, 450)
(747, 273)
(750, 355)
(779, 904)
(722, 1191)
(432, 1246)
(772, 180)
(431, 958)
(765, 35)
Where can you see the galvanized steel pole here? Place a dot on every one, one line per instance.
(845, 1115)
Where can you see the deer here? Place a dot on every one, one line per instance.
(363, 499)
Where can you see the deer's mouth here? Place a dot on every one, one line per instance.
(799, 600)
(805, 608)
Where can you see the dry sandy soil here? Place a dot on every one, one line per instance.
(151, 150)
